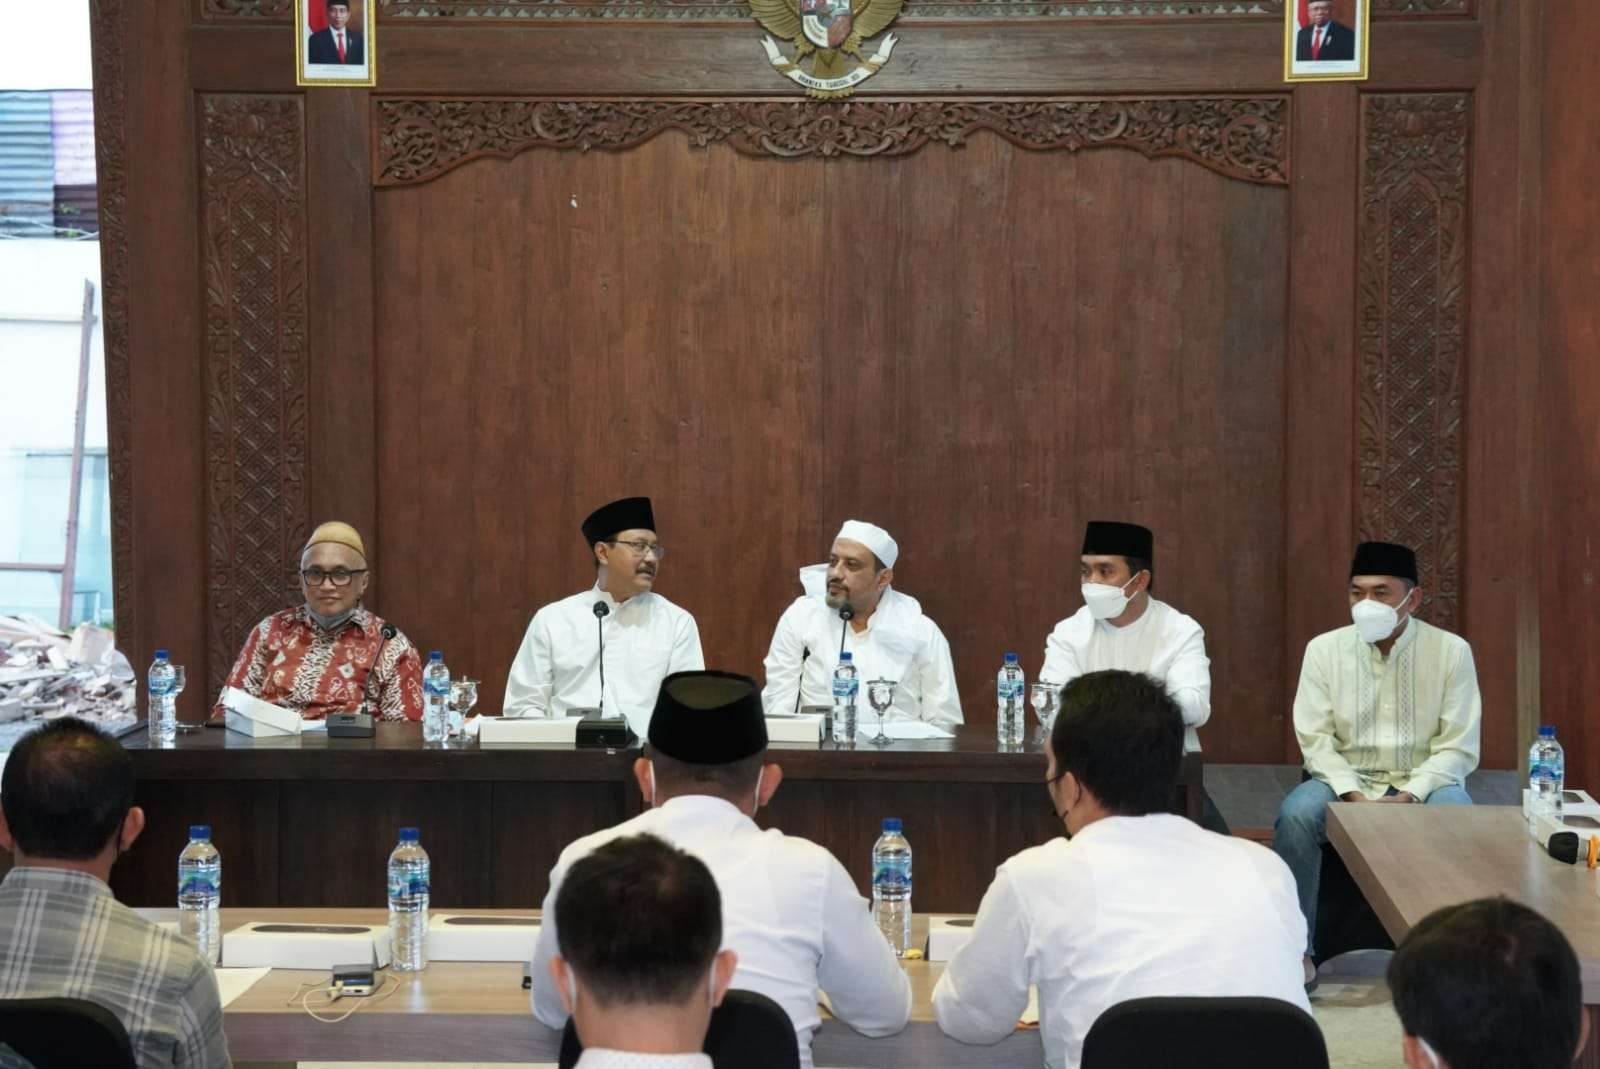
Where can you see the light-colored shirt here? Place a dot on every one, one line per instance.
(291, 660)
(63, 935)
(557, 667)
(1131, 907)
(1410, 720)
(1162, 642)
(789, 911)
(898, 643)
(594, 1058)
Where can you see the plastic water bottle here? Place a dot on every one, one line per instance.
(1547, 775)
(200, 893)
(435, 698)
(408, 904)
(1011, 706)
(891, 886)
(163, 703)
(845, 688)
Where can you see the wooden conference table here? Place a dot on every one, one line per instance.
(464, 1012)
(1410, 860)
(310, 821)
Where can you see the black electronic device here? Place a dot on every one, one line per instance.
(358, 724)
(596, 732)
(351, 980)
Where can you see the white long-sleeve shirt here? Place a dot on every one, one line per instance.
(789, 911)
(1131, 907)
(558, 665)
(1162, 642)
(1408, 721)
(898, 643)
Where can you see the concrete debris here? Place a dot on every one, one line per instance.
(46, 673)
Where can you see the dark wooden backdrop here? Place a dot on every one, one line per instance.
(1054, 262)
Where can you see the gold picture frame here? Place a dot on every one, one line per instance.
(1346, 34)
(315, 62)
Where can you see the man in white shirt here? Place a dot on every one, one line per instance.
(1122, 625)
(640, 967)
(1135, 902)
(560, 669)
(859, 612)
(789, 909)
(1387, 711)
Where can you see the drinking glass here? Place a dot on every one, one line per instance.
(880, 695)
(178, 681)
(1044, 696)
(463, 696)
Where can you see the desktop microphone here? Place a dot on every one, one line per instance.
(800, 680)
(846, 613)
(358, 725)
(601, 611)
(1563, 843)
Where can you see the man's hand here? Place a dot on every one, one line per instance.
(1352, 796)
(1403, 796)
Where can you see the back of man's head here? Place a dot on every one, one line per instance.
(734, 781)
(1488, 984)
(1121, 734)
(640, 923)
(65, 790)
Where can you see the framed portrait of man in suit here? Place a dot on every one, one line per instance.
(1325, 40)
(336, 42)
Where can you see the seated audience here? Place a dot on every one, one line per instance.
(789, 909)
(67, 800)
(1133, 902)
(1488, 984)
(640, 968)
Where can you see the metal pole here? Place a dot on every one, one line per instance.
(75, 483)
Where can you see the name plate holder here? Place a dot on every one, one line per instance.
(454, 937)
(280, 945)
(249, 715)
(803, 728)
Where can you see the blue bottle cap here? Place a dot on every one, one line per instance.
(201, 832)
(1547, 729)
(161, 655)
(1011, 658)
(436, 655)
(409, 835)
(845, 657)
(891, 824)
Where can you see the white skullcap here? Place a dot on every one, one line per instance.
(873, 537)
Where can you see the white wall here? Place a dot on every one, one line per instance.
(39, 361)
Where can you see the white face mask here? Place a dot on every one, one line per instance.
(1375, 620)
(1105, 601)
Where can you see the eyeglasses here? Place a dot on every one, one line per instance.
(641, 547)
(313, 577)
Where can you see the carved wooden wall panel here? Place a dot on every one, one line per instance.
(252, 192)
(1240, 137)
(1411, 316)
(734, 10)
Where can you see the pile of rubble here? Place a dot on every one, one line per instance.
(45, 672)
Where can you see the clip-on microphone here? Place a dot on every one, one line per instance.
(358, 725)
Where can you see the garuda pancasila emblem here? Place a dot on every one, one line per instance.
(824, 33)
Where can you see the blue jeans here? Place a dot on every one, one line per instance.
(1302, 828)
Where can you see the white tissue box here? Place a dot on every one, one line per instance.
(946, 936)
(249, 715)
(282, 945)
(453, 937)
(557, 731)
(1574, 803)
(807, 727)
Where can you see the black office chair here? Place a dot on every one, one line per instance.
(1205, 1033)
(746, 1031)
(65, 1031)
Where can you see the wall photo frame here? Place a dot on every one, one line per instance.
(336, 42)
(1326, 40)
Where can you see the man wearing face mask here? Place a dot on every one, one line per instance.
(789, 910)
(316, 658)
(1140, 904)
(1122, 625)
(1387, 711)
(886, 635)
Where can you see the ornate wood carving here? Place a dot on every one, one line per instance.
(252, 199)
(1242, 137)
(109, 27)
(1412, 315)
(739, 10)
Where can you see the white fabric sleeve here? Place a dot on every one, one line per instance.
(532, 675)
(784, 665)
(984, 990)
(941, 698)
(1060, 661)
(1454, 747)
(866, 986)
(1314, 724)
(546, 999)
(686, 652)
(1189, 679)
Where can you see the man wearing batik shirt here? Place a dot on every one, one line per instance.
(316, 658)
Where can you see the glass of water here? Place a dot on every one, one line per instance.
(1045, 697)
(463, 696)
(178, 681)
(880, 695)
